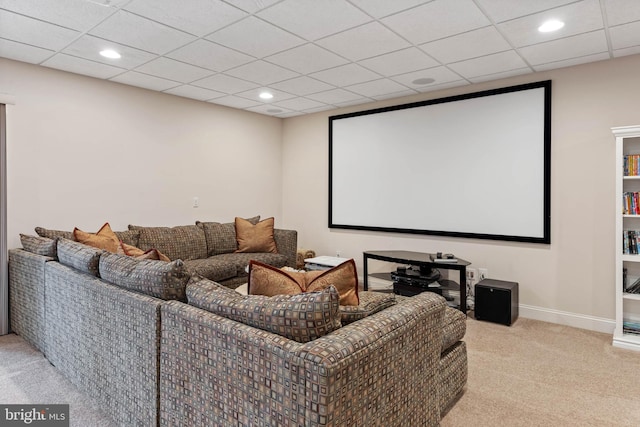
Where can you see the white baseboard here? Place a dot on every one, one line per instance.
(581, 321)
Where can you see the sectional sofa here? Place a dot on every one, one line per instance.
(148, 340)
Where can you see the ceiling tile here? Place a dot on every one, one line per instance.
(436, 20)
(173, 70)
(622, 11)
(399, 62)
(132, 30)
(23, 52)
(318, 109)
(262, 73)
(392, 95)
(381, 8)
(580, 17)
(336, 96)
(89, 47)
(313, 19)
(570, 47)
(624, 36)
(255, 37)
(252, 6)
(442, 86)
(299, 104)
(377, 87)
(490, 64)
(503, 10)
(482, 41)
(345, 75)
(210, 55)
(439, 74)
(198, 93)
(21, 29)
(234, 101)
(254, 95)
(270, 110)
(625, 52)
(572, 62)
(81, 66)
(198, 17)
(78, 15)
(225, 84)
(307, 59)
(302, 85)
(134, 78)
(364, 42)
(502, 75)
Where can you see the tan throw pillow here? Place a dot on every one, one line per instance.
(105, 238)
(135, 252)
(345, 279)
(255, 238)
(267, 280)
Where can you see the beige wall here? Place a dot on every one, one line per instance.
(569, 281)
(83, 151)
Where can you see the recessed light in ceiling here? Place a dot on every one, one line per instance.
(550, 25)
(423, 81)
(266, 95)
(110, 53)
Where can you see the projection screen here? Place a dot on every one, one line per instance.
(475, 165)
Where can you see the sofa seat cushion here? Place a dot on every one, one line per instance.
(212, 268)
(183, 242)
(241, 260)
(302, 317)
(455, 326)
(160, 279)
(79, 256)
(370, 303)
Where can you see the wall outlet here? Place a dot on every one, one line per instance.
(472, 276)
(483, 273)
(196, 202)
(338, 253)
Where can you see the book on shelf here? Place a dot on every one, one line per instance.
(634, 288)
(631, 165)
(630, 242)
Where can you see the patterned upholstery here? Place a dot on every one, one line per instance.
(302, 317)
(379, 371)
(213, 268)
(39, 245)
(452, 375)
(130, 237)
(370, 303)
(221, 238)
(164, 280)
(105, 341)
(241, 260)
(81, 257)
(26, 296)
(455, 326)
(181, 242)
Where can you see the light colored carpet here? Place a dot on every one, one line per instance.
(542, 374)
(530, 374)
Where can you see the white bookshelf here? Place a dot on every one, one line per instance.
(627, 304)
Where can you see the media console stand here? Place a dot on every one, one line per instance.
(420, 259)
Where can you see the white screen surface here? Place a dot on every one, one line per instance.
(475, 166)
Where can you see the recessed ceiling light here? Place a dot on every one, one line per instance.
(266, 95)
(110, 53)
(423, 81)
(551, 25)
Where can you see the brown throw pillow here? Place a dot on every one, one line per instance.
(105, 238)
(135, 252)
(255, 238)
(267, 280)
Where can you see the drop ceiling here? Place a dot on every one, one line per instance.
(312, 55)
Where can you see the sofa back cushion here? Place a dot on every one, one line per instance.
(221, 238)
(130, 237)
(79, 256)
(165, 280)
(182, 242)
(39, 245)
(303, 317)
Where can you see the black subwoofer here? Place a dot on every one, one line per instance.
(496, 301)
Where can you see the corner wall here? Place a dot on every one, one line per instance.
(571, 280)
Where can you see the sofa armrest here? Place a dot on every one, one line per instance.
(382, 370)
(287, 243)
